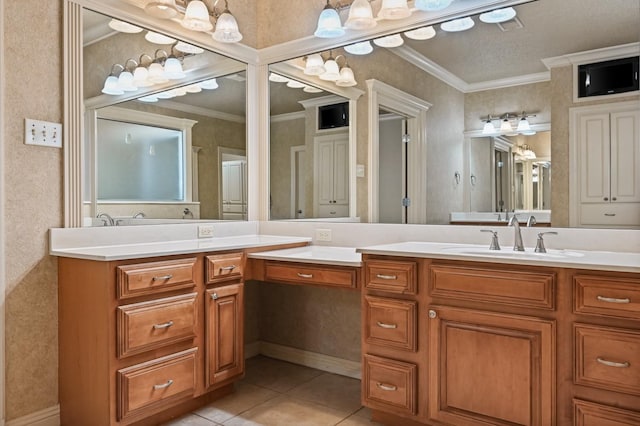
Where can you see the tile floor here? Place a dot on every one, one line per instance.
(278, 393)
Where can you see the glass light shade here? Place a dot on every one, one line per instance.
(193, 88)
(156, 73)
(196, 17)
(424, 33)
(360, 16)
(277, 78)
(498, 15)
(178, 91)
(314, 65)
(210, 84)
(506, 126)
(125, 81)
(362, 48)
(329, 24)
(394, 9)
(173, 68)
(529, 133)
(158, 38)
(164, 95)
(163, 9)
(294, 84)
(456, 25)
(394, 40)
(183, 47)
(332, 71)
(311, 89)
(523, 125)
(124, 27)
(149, 99)
(488, 128)
(347, 79)
(141, 77)
(227, 29)
(111, 86)
(432, 5)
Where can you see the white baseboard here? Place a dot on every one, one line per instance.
(47, 417)
(252, 349)
(315, 360)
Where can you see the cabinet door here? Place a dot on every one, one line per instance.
(325, 172)
(594, 158)
(490, 368)
(341, 172)
(625, 156)
(225, 342)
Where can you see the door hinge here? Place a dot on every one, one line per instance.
(406, 202)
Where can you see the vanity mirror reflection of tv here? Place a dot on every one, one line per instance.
(608, 77)
(333, 116)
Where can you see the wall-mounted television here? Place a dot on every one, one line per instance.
(333, 116)
(608, 77)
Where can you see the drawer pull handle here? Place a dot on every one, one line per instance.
(613, 299)
(228, 268)
(161, 326)
(162, 277)
(164, 385)
(387, 277)
(301, 275)
(386, 387)
(383, 325)
(613, 364)
(610, 214)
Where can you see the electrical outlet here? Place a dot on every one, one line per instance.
(42, 133)
(323, 234)
(205, 231)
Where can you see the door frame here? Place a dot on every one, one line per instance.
(295, 150)
(382, 95)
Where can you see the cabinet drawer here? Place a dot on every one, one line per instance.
(389, 384)
(333, 276)
(607, 358)
(391, 276)
(153, 277)
(145, 388)
(504, 287)
(610, 214)
(607, 296)
(150, 325)
(224, 267)
(390, 322)
(333, 210)
(591, 414)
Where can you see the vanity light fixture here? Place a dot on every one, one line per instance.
(183, 47)
(394, 9)
(163, 9)
(508, 123)
(499, 15)
(210, 84)
(360, 16)
(362, 48)
(505, 126)
(457, 25)
(332, 70)
(314, 65)
(227, 27)
(489, 128)
(149, 99)
(156, 69)
(329, 24)
(389, 41)
(346, 79)
(157, 38)
(196, 17)
(111, 86)
(424, 33)
(432, 5)
(311, 89)
(277, 78)
(295, 84)
(125, 79)
(193, 88)
(173, 67)
(141, 73)
(124, 27)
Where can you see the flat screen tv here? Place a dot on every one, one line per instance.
(332, 116)
(608, 77)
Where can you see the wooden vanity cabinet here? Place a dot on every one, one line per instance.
(144, 340)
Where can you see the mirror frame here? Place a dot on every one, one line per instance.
(257, 111)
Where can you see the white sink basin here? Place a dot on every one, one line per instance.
(557, 254)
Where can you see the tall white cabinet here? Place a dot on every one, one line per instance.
(331, 170)
(234, 190)
(606, 165)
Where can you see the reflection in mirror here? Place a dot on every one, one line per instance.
(162, 147)
(309, 158)
(492, 69)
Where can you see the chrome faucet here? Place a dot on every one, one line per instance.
(106, 219)
(517, 242)
(531, 221)
(139, 215)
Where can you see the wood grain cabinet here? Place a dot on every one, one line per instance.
(141, 341)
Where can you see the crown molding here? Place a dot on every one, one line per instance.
(298, 115)
(322, 100)
(508, 82)
(206, 112)
(595, 55)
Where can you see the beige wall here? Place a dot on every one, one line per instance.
(283, 136)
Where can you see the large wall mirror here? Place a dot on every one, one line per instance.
(424, 98)
(171, 147)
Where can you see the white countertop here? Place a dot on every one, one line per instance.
(342, 256)
(600, 260)
(142, 250)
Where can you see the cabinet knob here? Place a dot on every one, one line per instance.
(432, 314)
(606, 198)
(214, 296)
(614, 199)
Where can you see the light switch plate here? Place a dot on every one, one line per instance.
(323, 234)
(205, 231)
(42, 133)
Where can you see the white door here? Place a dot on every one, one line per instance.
(594, 158)
(341, 171)
(391, 188)
(298, 176)
(325, 171)
(625, 157)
